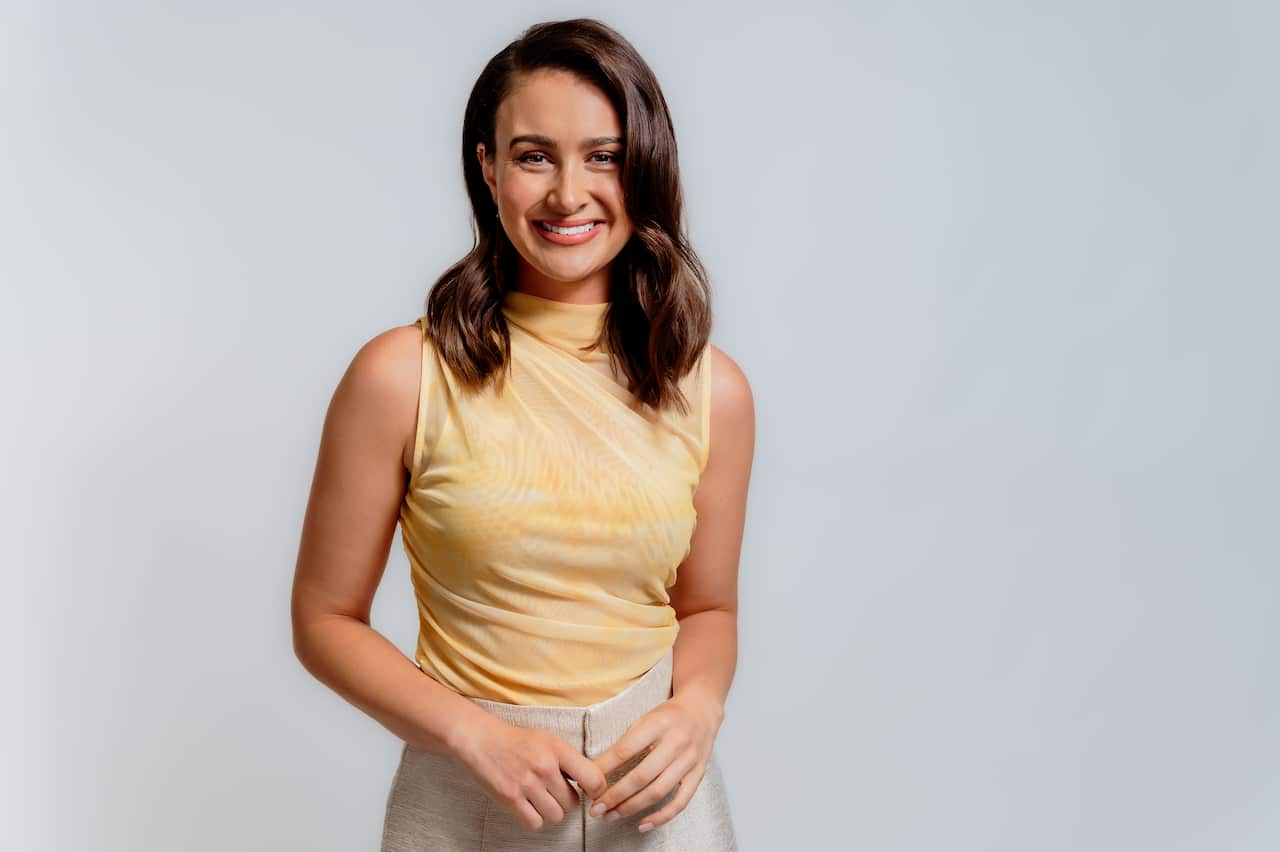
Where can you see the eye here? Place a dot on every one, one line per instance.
(611, 157)
(525, 158)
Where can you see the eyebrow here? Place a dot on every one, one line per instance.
(548, 142)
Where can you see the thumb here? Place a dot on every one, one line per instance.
(583, 770)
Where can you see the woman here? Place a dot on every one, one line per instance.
(568, 460)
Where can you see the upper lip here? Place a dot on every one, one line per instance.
(568, 223)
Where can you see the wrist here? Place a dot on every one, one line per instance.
(465, 730)
(703, 702)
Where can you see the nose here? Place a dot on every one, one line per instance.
(568, 190)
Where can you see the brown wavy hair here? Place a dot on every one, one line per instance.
(659, 317)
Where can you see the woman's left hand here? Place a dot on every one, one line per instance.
(678, 734)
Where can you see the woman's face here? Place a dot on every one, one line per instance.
(570, 171)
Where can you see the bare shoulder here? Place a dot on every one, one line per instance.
(733, 419)
(731, 397)
(378, 394)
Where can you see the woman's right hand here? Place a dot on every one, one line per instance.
(524, 769)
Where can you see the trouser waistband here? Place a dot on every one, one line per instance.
(592, 729)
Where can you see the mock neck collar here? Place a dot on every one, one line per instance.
(565, 325)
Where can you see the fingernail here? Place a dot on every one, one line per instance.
(611, 816)
(597, 809)
(645, 826)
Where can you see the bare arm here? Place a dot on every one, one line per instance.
(705, 595)
(359, 481)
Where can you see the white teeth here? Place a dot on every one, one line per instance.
(581, 229)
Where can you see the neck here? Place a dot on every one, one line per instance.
(593, 289)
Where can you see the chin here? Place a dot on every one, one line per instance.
(558, 267)
(568, 276)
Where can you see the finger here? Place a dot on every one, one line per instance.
(547, 805)
(637, 778)
(560, 790)
(582, 770)
(687, 787)
(639, 737)
(552, 778)
(656, 790)
(526, 813)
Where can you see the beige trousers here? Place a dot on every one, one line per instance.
(435, 805)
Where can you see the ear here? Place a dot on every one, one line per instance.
(486, 169)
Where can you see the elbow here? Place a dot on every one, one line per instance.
(301, 646)
(310, 634)
(307, 626)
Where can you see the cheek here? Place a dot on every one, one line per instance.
(518, 192)
(622, 230)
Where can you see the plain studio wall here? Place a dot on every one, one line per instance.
(1003, 277)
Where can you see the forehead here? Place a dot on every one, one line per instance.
(557, 104)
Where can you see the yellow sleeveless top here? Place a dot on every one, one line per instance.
(544, 524)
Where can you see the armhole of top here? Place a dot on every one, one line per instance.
(420, 440)
(704, 413)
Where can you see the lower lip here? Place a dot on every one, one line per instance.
(569, 239)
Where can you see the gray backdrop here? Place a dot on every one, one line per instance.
(1002, 275)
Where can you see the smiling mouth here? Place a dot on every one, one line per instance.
(569, 231)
